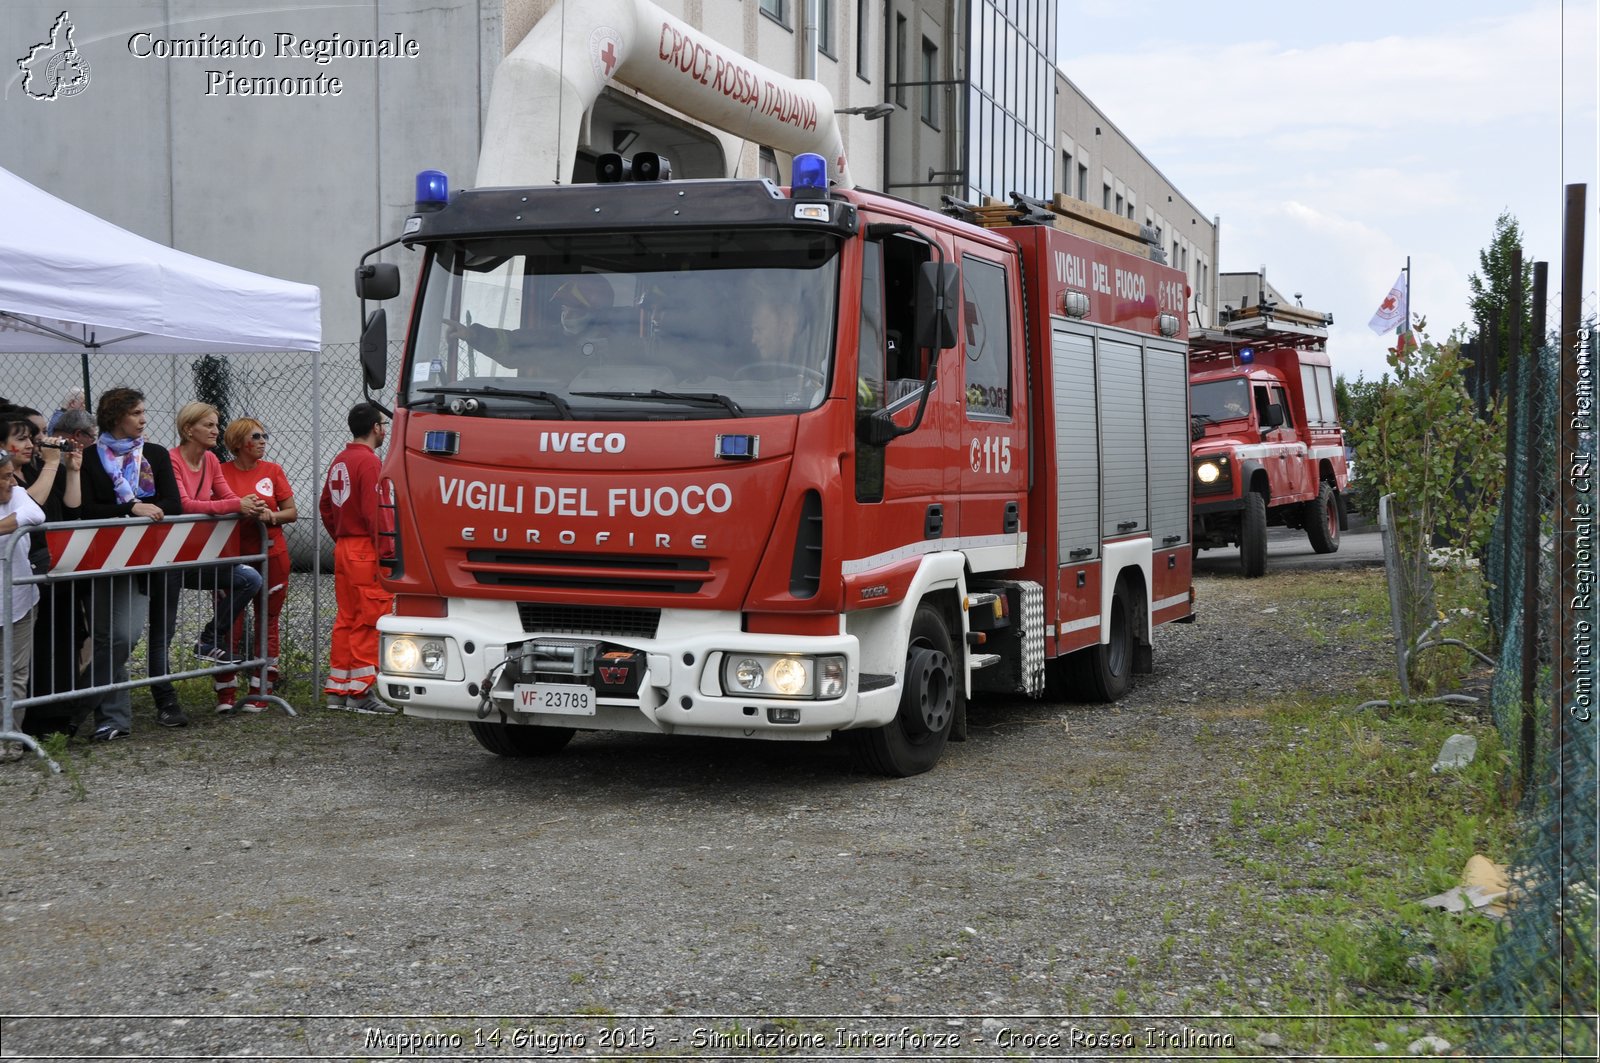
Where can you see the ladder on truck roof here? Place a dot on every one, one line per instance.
(1263, 331)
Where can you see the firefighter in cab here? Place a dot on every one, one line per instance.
(578, 304)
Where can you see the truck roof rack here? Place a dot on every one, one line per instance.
(1258, 331)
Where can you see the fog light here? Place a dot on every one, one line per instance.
(783, 714)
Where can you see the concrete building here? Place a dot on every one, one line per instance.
(255, 138)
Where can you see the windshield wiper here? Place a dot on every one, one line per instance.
(509, 393)
(693, 398)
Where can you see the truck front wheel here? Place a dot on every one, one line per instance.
(1253, 536)
(1322, 521)
(520, 740)
(930, 696)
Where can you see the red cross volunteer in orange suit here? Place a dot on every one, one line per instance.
(349, 510)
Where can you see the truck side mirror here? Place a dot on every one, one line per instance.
(938, 296)
(375, 349)
(876, 428)
(377, 281)
(1272, 417)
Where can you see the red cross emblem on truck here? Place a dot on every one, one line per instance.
(608, 57)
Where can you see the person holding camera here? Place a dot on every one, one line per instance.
(17, 510)
(59, 628)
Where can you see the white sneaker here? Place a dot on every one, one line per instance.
(337, 702)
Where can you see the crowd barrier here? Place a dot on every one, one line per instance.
(89, 561)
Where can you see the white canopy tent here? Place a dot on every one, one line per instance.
(72, 282)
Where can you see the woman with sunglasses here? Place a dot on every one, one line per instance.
(249, 473)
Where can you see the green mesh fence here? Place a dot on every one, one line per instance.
(1540, 999)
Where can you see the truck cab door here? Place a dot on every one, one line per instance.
(902, 487)
(992, 463)
(1297, 480)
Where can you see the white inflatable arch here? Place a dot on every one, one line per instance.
(543, 88)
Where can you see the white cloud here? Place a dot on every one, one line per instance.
(1488, 70)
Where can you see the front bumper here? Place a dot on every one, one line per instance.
(680, 691)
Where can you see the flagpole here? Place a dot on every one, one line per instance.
(1407, 321)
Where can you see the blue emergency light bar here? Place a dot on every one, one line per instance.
(433, 190)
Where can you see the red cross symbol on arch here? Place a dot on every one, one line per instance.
(608, 57)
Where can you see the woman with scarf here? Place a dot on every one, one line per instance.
(122, 477)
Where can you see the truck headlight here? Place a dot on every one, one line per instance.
(1207, 472)
(411, 655)
(784, 675)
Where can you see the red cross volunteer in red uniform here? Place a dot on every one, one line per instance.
(349, 509)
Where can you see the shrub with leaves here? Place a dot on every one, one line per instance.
(1425, 444)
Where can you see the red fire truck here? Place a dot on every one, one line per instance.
(1268, 449)
(716, 457)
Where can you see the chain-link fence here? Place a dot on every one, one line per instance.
(301, 397)
(1540, 999)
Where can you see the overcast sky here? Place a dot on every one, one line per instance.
(1336, 139)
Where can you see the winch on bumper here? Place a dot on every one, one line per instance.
(713, 680)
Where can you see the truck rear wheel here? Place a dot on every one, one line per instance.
(1253, 536)
(930, 696)
(1104, 670)
(1322, 521)
(520, 740)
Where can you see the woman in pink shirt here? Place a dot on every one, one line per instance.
(204, 490)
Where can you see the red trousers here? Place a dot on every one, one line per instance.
(277, 591)
(353, 662)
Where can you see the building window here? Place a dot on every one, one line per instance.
(863, 40)
(901, 73)
(825, 27)
(767, 165)
(1105, 198)
(777, 9)
(1066, 173)
(1083, 182)
(930, 74)
(1119, 204)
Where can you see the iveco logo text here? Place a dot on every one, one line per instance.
(582, 442)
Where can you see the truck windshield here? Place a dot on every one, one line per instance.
(1220, 400)
(628, 325)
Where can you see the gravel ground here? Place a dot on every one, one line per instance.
(369, 868)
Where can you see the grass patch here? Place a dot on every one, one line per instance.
(1341, 828)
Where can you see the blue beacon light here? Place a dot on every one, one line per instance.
(433, 190)
(809, 176)
(1247, 355)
